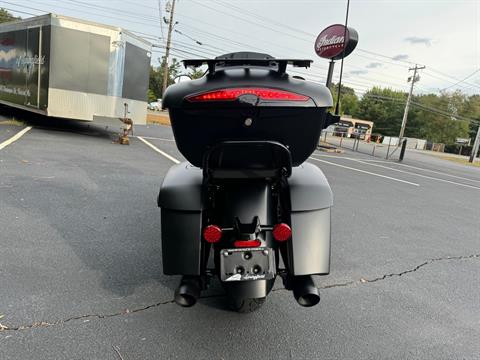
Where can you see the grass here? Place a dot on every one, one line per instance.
(158, 119)
(475, 163)
(12, 122)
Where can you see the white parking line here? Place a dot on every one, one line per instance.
(14, 137)
(419, 175)
(154, 138)
(169, 157)
(438, 172)
(399, 164)
(366, 172)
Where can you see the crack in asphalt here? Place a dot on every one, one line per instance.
(43, 324)
(428, 262)
(81, 317)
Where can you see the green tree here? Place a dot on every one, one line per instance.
(348, 100)
(156, 78)
(472, 111)
(440, 117)
(6, 16)
(151, 97)
(385, 108)
(197, 73)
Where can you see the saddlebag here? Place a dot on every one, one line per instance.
(180, 200)
(311, 199)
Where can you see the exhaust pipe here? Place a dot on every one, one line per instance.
(305, 291)
(188, 291)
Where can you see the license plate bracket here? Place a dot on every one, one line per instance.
(247, 264)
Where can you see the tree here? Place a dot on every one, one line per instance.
(440, 117)
(151, 97)
(197, 73)
(6, 16)
(348, 100)
(156, 78)
(385, 108)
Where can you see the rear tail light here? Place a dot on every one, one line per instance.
(212, 233)
(233, 93)
(247, 243)
(282, 232)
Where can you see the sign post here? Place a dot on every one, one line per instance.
(334, 43)
(462, 142)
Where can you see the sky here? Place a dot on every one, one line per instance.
(393, 35)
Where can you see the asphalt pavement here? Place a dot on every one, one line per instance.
(81, 272)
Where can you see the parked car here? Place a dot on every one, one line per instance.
(155, 106)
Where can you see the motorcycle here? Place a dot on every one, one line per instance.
(246, 207)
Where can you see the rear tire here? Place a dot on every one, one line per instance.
(245, 305)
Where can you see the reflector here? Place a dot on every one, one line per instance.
(233, 93)
(247, 243)
(212, 233)
(282, 232)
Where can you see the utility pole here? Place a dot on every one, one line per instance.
(407, 105)
(476, 144)
(167, 50)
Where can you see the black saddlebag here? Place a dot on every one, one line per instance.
(180, 199)
(311, 201)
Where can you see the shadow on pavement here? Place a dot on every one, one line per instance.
(60, 124)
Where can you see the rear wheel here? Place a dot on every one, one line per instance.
(245, 305)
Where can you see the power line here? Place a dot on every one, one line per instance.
(18, 11)
(83, 11)
(426, 108)
(248, 21)
(195, 29)
(451, 77)
(463, 80)
(160, 17)
(263, 18)
(151, 20)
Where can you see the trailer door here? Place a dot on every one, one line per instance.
(32, 64)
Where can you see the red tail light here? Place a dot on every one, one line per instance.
(247, 243)
(282, 232)
(212, 233)
(233, 93)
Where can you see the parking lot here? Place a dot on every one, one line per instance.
(81, 273)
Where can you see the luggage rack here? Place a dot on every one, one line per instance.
(214, 63)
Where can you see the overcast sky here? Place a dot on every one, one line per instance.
(442, 35)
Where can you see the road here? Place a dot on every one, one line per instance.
(81, 268)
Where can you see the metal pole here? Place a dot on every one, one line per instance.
(388, 148)
(407, 105)
(476, 144)
(402, 151)
(167, 50)
(331, 65)
(337, 107)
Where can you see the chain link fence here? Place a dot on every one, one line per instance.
(368, 145)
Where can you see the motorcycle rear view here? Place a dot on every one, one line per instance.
(246, 207)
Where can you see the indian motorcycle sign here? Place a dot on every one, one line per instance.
(332, 40)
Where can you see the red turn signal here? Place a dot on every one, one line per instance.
(282, 232)
(212, 234)
(247, 243)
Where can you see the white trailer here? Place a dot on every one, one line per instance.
(69, 68)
